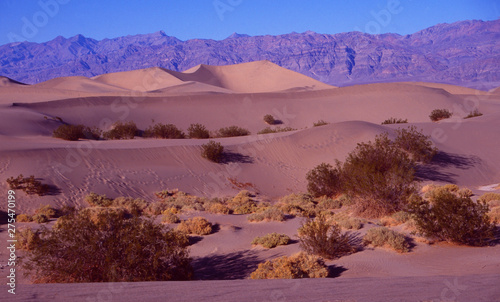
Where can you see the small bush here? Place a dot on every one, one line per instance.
(275, 130)
(394, 120)
(27, 239)
(169, 217)
(269, 214)
(320, 123)
(96, 200)
(232, 131)
(298, 205)
(95, 214)
(166, 131)
(133, 206)
(446, 216)
(346, 222)
(395, 219)
(325, 203)
(40, 218)
(243, 203)
(69, 132)
(213, 151)
(271, 240)
(324, 180)
(418, 146)
(439, 114)
(494, 214)
(218, 208)
(198, 131)
(29, 185)
(488, 197)
(195, 225)
(474, 113)
(269, 119)
(122, 131)
(24, 218)
(321, 238)
(46, 210)
(301, 265)
(385, 237)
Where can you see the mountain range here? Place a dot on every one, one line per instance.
(464, 53)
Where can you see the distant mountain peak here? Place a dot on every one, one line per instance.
(237, 35)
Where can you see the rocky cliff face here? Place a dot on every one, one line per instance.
(463, 53)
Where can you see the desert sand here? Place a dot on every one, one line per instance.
(275, 165)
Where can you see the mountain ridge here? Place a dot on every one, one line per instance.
(464, 53)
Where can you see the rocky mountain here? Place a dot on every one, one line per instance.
(463, 53)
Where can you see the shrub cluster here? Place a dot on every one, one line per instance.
(122, 131)
(271, 240)
(29, 185)
(108, 249)
(198, 131)
(324, 180)
(213, 151)
(243, 203)
(394, 120)
(320, 123)
(169, 217)
(275, 130)
(301, 265)
(232, 131)
(195, 225)
(268, 214)
(76, 132)
(383, 236)
(440, 114)
(474, 113)
(130, 206)
(167, 131)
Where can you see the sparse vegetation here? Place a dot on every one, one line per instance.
(488, 197)
(394, 120)
(217, 208)
(69, 132)
(320, 123)
(440, 114)
(29, 185)
(122, 131)
(269, 119)
(166, 131)
(169, 217)
(232, 131)
(298, 205)
(243, 203)
(195, 225)
(27, 239)
(269, 214)
(24, 218)
(321, 238)
(474, 113)
(96, 200)
(417, 145)
(213, 151)
(301, 265)
(324, 180)
(384, 237)
(275, 130)
(271, 240)
(198, 131)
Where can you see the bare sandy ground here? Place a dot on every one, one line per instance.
(275, 165)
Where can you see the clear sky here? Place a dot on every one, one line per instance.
(43, 20)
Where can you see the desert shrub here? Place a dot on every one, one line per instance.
(394, 120)
(449, 217)
(232, 131)
(435, 191)
(275, 130)
(439, 114)
(271, 240)
(324, 203)
(347, 222)
(133, 206)
(298, 266)
(195, 225)
(298, 205)
(156, 208)
(242, 203)
(383, 236)
(24, 218)
(169, 217)
(164, 131)
(96, 200)
(27, 239)
(29, 185)
(183, 202)
(320, 123)
(397, 218)
(269, 214)
(321, 238)
(474, 113)
(122, 131)
(95, 214)
(465, 192)
(494, 214)
(213, 151)
(40, 218)
(415, 143)
(379, 177)
(198, 131)
(46, 210)
(269, 119)
(110, 249)
(69, 132)
(324, 180)
(217, 208)
(488, 197)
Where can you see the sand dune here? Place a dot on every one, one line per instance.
(79, 83)
(450, 88)
(7, 82)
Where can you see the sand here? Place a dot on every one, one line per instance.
(275, 165)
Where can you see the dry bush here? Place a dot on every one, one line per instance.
(195, 225)
(169, 217)
(27, 239)
(320, 123)
(324, 180)
(46, 210)
(198, 131)
(300, 265)
(271, 240)
(394, 120)
(156, 208)
(243, 203)
(269, 214)
(325, 203)
(419, 146)
(395, 219)
(217, 208)
(232, 131)
(474, 113)
(40, 218)
(134, 206)
(269, 119)
(488, 197)
(109, 249)
(494, 214)
(440, 114)
(324, 239)
(24, 218)
(213, 151)
(184, 202)
(298, 205)
(385, 237)
(449, 217)
(275, 130)
(95, 214)
(96, 200)
(29, 185)
(76, 132)
(166, 131)
(465, 192)
(346, 222)
(122, 131)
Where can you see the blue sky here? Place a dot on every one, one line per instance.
(43, 20)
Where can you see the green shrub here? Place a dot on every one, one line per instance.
(269, 119)
(198, 131)
(320, 123)
(213, 151)
(394, 120)
(96, 200)
(122, 131)
(275, 130)
(385, 237)
(232, 131)
(167, 131)
(474, 113)
(440, 114)
(301, 265)
(269, 214)
(29, 185)
(446, 216)
(24, 218)
(324, 180)
(195, 225)
(169, 217)
(321, 238)
(417, 145)
(271, 240)
(110, 249)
